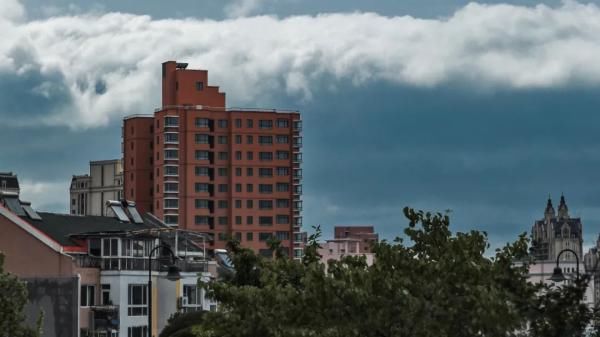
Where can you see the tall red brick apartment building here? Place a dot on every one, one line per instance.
(198, 165)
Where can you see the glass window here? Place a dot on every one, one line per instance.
(201, 138)
(265, 140)
(171, 121)
(249, 188)
(223, 204)
(137, 300)
(202, 122)
(223, 220)
(249, 236)
(265, 204)
(199, 85)
(282, 139)
(238, 220)
(238, 139)
(238, 155)
(249, 171)
(283, 187)
(265, 172)
(283, 123)
(192, 295)
(171, 154)
(223, 188)
(264, 236)
(249, 204)
(238, 204)
(265, 124)
(265, 188)
(201, 170)
(202, 155)
(265, 156)
(171, 203)
(238, 123)
(283, 219)
(249, 139)
(171, 171)
(265, 220)
(238, 171)
(249, 123)
(283, 203)
(222, 172)
(223, 155)
(222, 139)
(201, 187)
(249, 220)
(201, 203)
(137, 331)
(238, 188)
(282, 235)
(94, 247)
(223, 123)
(283, 171)
(201, 220)
(88, 294)
(171, 138)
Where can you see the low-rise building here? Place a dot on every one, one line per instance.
(89, 274)
(89, 192)
(350, 241)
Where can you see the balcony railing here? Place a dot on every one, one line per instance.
(137, 263)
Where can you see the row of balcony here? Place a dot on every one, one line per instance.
(137, 263)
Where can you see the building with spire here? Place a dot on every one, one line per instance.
(555, 232)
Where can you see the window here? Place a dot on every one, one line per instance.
(171, 154)
(171, 219)
(110, 247)
(283, 187)
(265, 220)
(201, 220)
(201, 203)
(283, 155)
(105, 295)
(238, 155)
(137, 300)
(201, 187)
(171, 171)
(223, 155)
(192, 295)
(283, 123)
(238, 204)
(223, 204)
(172, 138)
(221, 236)
(264, 236)
(238, 123)
(249, 171)
(265, 124)
(249, 123)
(137, 331)
(249, 221)
(265, 188)
(201, 138)
(249, 155)
(249, 188)
(201, 155)
(223, 188)
(283, 203)
(238, 221)
(238, 236)
(94, 247)
(199, 86)
(201, 170)
(88, 294)
(202, 123)
(265, 172)
(222, 172)
(223, 220)
(223, 123)
(238, 139)
(238, 171)
(265, 204)
(171, 187)
(222, 139)
(249, 139)
(265, 140)
(171, 121)
(282, 139)
(283, 171)
(171, 204)
(249, 236)
(281, 236)
(238, 188)
(282, 219)
(265, 156)
(249, 204)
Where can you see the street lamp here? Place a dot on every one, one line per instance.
(557, 275)
(172, 275)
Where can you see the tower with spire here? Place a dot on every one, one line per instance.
(555, 232)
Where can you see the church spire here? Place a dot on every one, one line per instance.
(549, 212)
(563, 210)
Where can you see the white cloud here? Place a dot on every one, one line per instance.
(251, 58)
(46, 195)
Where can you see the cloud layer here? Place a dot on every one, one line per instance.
(100, 67)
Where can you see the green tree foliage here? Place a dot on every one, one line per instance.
(436, 284)
(13, 297)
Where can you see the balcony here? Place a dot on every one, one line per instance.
(137, 263)
(104, 317)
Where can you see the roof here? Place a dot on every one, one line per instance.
(60, 227)
(573, 223)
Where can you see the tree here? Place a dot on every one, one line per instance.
(438, 284)
(13, 297)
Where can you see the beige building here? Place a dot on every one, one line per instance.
(89, 192)
(350, 241)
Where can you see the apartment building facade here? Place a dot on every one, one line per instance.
(89, 192)
(350, 241)
(90, 273)
(203, 167)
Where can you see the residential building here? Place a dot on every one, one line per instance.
(350, 241)
(228, 172)
(551, 235)
(365, 235)
(89, 274)
(9, 183)
(89, 192)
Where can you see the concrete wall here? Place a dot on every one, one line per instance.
(58, 298)
(26, 256)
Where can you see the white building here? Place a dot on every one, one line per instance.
(89, 192)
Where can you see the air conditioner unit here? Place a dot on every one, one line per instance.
(184, 301)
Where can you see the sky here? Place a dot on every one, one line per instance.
(484, 109)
